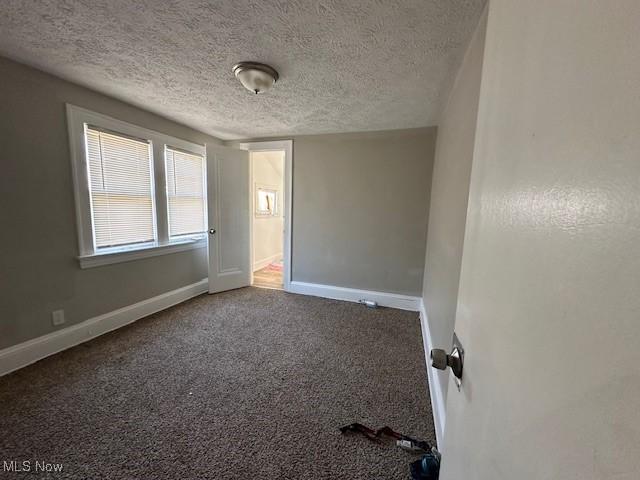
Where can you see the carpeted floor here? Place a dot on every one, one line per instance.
(247, 384)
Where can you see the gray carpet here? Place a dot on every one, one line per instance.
(246, 384)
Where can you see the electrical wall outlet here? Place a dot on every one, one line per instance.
(57, 317)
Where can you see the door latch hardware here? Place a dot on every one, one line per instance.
(440, 359)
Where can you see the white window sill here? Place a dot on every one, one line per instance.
(127, 255)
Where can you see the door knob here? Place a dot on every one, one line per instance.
(212, 231)
(440, 359)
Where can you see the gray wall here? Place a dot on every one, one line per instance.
(360, 211)
(38, 246)
(360, 207)
(449, 196)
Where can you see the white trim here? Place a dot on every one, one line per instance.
(287, 146)
(435, 388)
(80, 173)
(393, 300)
(31, 351)
(258, 264)
(77, 118)
(119, 256)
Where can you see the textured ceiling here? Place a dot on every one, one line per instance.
(345, 65)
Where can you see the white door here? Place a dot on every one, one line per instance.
(228, 210)
(549, 299)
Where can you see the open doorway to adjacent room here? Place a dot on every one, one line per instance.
(269, 214)
(267, 173)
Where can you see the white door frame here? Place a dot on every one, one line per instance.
(287, 147)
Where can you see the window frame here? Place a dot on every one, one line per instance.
(89, 255)
(205, 219)
(270, 189)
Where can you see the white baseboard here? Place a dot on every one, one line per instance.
(393, 300)
(26, 353)
(258, 264)
(435, 388)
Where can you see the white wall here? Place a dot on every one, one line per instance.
(268, 170)
(449, 195)
(549, 297)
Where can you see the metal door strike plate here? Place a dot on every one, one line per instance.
(458, 353)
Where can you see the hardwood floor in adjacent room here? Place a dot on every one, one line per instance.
(269, 276)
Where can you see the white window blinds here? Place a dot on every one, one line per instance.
(121, 188)
(185, 192)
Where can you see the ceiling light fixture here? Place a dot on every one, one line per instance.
(256, 77)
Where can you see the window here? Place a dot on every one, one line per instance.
(121, 189)
(185, 192)
(266, 202)
(138, 193)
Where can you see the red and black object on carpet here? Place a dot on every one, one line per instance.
(381, 433)
(427, 468)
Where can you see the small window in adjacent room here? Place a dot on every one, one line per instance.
(266, 202)
(121, 187)
(185, 192)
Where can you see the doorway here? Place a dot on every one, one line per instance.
(269, 165)
(267, 245)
